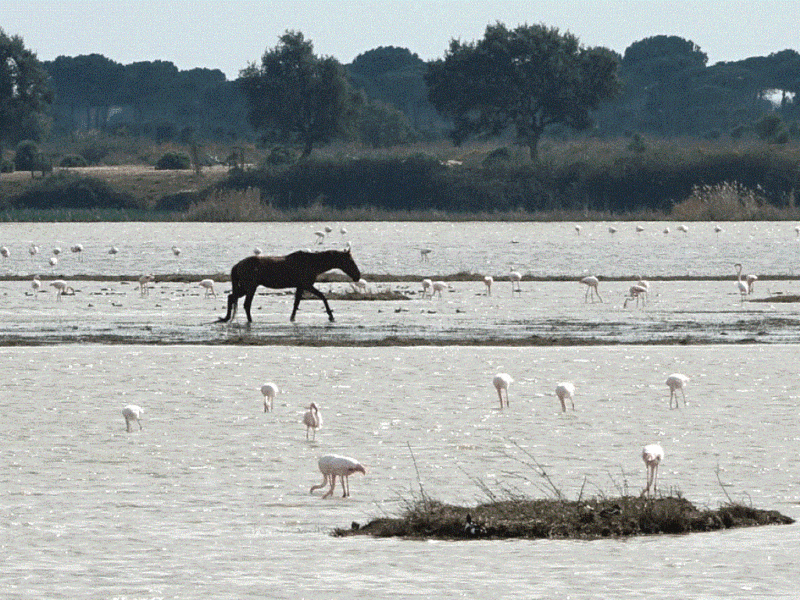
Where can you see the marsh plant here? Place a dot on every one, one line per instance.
(726, 201)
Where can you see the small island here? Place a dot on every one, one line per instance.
(562, 519)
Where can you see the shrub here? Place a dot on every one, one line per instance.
(94, 152)
(27, 156)
(67, 191)
(174, 161)
(7, 166)
(72, 160)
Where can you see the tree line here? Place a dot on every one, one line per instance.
(521, 83)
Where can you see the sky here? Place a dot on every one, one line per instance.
(230, 34)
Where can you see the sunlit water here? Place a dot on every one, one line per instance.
(210, 499)
(536, 249)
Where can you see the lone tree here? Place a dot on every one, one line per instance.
(297, 96)
(25, 94)
(528, 78)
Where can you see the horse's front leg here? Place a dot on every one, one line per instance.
(298, 295)
(322, 297)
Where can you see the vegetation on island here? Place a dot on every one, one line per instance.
(562, 519)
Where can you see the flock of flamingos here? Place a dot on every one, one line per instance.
(335, 466)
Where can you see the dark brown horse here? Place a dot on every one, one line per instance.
(298, 270)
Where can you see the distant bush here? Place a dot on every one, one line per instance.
(94, 152)
(72, 161)
(27, 156)
(174, 161)
(66, 191)
(7, 166)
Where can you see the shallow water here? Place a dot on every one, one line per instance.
(535, 249)
(210, 499)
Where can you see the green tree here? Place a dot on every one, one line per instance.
(25, 95)
(297, 96)
(528, 79)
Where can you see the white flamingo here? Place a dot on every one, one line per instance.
(591, 282)
(359, 286)
(176, 251)
(612, 230)
(741, 285)
(53, 261)
(208, 284)
(132, 414)
(652, 454)
(33, 249)
(666, 230)
(501, 382)
(635, 292)
(144, 280)
(77, 249)
(423, 254)
(62, 288)
(320, 236)
(270, 390)
(312, 420)
(675, 382)
(36, 284)
(332, 466)
(683, 228)
(343, 230)
(639, 229)
(566, 390)
(578, 229)
(718, 230)
(427, 288)
(257, 251)
(488, 281)
(4, 251)
(113, 251)
(438, 288)
(56, 251)
(515, 277)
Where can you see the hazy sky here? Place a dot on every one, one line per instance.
(227, 34)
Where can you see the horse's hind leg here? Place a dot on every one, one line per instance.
(248, 302)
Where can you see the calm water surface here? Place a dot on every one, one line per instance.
(210, 499)
(537, 249)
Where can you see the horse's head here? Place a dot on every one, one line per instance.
(348, 265)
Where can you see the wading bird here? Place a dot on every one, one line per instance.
(312, 420)
(427, 288)
(652, 455)
(501, 382)
(676, 382)
(132, 413)
(566, 390)
(515, 277)
(208, 284)
(62, 288)
(591, 282)
(741, 285)
(332, 466)
(144, 280)
(270, 390)
(488, 281)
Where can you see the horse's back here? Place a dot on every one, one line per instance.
(270, 271)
